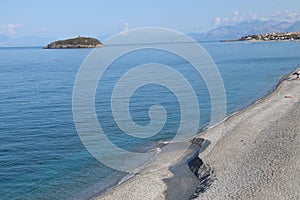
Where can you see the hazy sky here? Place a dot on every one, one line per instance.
(66, 18)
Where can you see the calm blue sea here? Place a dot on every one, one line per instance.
(41, 155)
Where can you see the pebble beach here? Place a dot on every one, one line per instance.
(253, 154)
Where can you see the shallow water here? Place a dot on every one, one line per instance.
(40, 152)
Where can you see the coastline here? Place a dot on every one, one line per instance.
(256, 158)
(205, 157)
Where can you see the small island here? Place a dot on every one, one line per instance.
(74, 43)
(284, 36)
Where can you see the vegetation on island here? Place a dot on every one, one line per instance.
(78, 42)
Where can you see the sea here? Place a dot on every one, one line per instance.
(41, 153)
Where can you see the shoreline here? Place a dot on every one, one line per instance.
(298, 40)
(179, 180)
(242, 170)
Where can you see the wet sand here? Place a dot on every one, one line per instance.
(254, 154)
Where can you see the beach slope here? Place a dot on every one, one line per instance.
(257, 156)
(254, 154)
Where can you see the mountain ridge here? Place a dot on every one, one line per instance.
(231, 32)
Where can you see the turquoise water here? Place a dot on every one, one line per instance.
(41, 155)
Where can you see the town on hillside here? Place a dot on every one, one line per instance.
(284, 36)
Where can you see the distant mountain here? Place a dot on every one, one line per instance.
(246, 28)
(25, 41)
(294, 27)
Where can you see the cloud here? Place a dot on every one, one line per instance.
(217, 21)
(285, 15)
(280, 15)
(9, 29)
(256, 16)
(236, 17)
(125, 28)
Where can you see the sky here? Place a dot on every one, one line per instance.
(69, 18)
